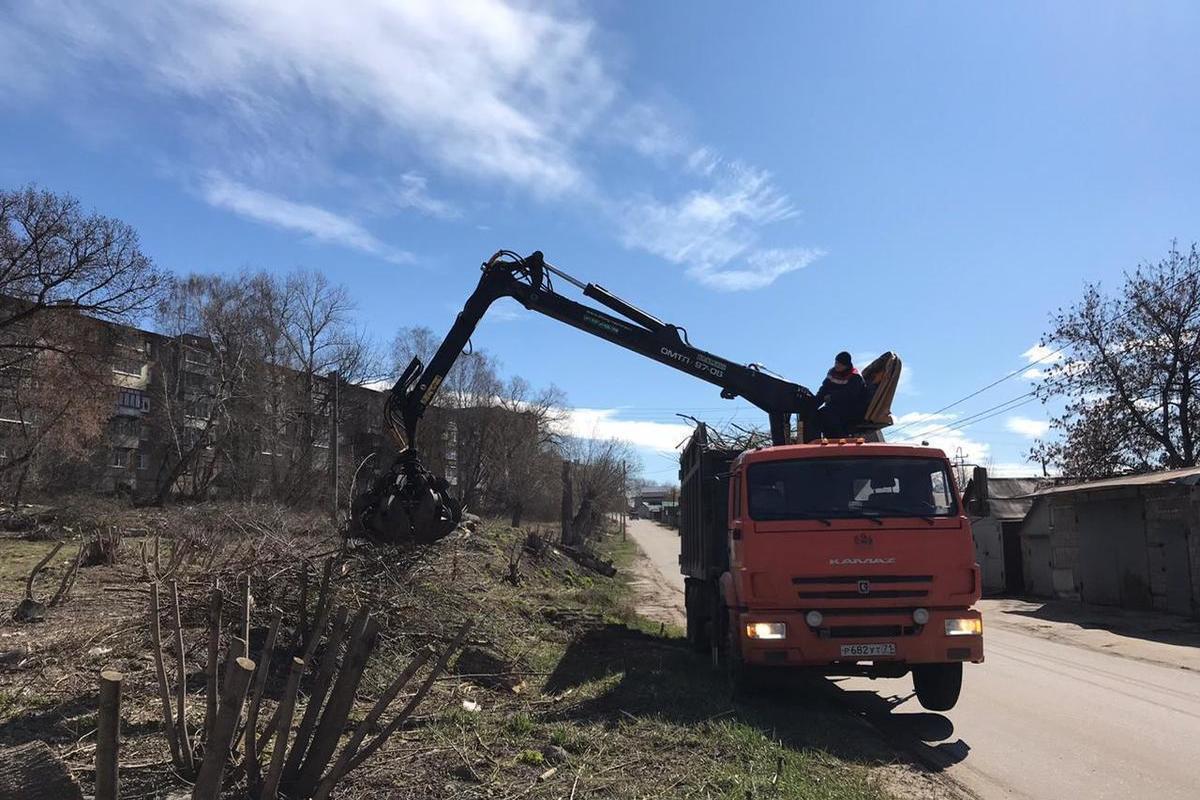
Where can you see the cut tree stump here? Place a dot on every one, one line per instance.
(33, 772)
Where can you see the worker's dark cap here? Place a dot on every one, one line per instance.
(843, 358)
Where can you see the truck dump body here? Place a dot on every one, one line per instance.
(704, 507)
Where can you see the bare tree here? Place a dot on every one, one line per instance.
(306, 334)
(57, 259)
(63, 272)
(213, 329)
(524, 449)
(1130, 374)
(603, 468)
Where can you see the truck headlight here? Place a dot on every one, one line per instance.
(766, 630)
(964, 627)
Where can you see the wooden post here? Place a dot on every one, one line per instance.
(341, 699)
(316, 696)
(215, 601)
(568, 503)
(185, 744)
(212, 769)
(411, 706)
(108, 735)
(334, 449)
(287, 710)
(164, 691)
(369, 724)
(260, 683)
(302, 614)
(306, 658)
(245, 620)
(322, 599)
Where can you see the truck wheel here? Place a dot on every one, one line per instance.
(696, 609)
(739, 674)
(937, 685)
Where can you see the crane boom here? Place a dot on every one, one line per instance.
(410, 503)
(527, 280)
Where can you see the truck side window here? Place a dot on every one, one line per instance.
(736, 500)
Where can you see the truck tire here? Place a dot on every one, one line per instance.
(937, 685)
(696, 607)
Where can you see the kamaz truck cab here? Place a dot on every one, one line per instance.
(844, 557)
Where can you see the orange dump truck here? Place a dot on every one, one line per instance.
(846, 558)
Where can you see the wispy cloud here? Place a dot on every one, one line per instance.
(714, 231)
(318, 223)
(1029, 428)
(606, 423)
(286, 99)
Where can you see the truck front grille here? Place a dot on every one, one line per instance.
(866, 587)
(870, 631)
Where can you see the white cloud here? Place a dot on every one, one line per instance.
(484, 87)
(1041, 354)
(714, 230)
(320, 224)
(1029, 428)
(915, 427)
(288, 98)
(605, 423)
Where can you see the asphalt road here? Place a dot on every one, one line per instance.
(1040, 719)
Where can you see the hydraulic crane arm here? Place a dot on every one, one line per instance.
(408, 503)
(529, 281)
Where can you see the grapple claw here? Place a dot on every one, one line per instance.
(407, 504)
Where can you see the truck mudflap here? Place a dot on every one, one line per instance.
(890, 637)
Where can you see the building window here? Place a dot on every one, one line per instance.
(132, 398)
(128, 366)
(120, 457)
(143, 461)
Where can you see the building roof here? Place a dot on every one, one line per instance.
(1009, 499)
(1189, 476)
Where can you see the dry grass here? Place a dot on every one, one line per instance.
(570, 694)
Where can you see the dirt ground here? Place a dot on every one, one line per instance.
(1145, 636)
(566, 691)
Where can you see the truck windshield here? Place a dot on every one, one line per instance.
(841, 488)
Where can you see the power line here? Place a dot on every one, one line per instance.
(1045, 357)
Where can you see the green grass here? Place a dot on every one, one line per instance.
(637, 714)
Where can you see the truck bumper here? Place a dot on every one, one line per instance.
(889, 637)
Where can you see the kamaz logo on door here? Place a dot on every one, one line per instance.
(860, 562)
(864, 587)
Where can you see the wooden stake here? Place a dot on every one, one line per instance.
(287, 711)
(317, 696)
(185, 744)
(367, 725)
(322, 598)
(108, 736)
(260, 683)
(212, 769)
(393, 726)
(164, 691)
(322, 621)
(212, 699)
(302, 614)
(245, 586)
(341, 700)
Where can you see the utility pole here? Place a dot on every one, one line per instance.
(334, 449)
(624, 496)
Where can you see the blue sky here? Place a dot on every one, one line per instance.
(785, 180)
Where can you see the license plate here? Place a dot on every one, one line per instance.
(868, 650)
